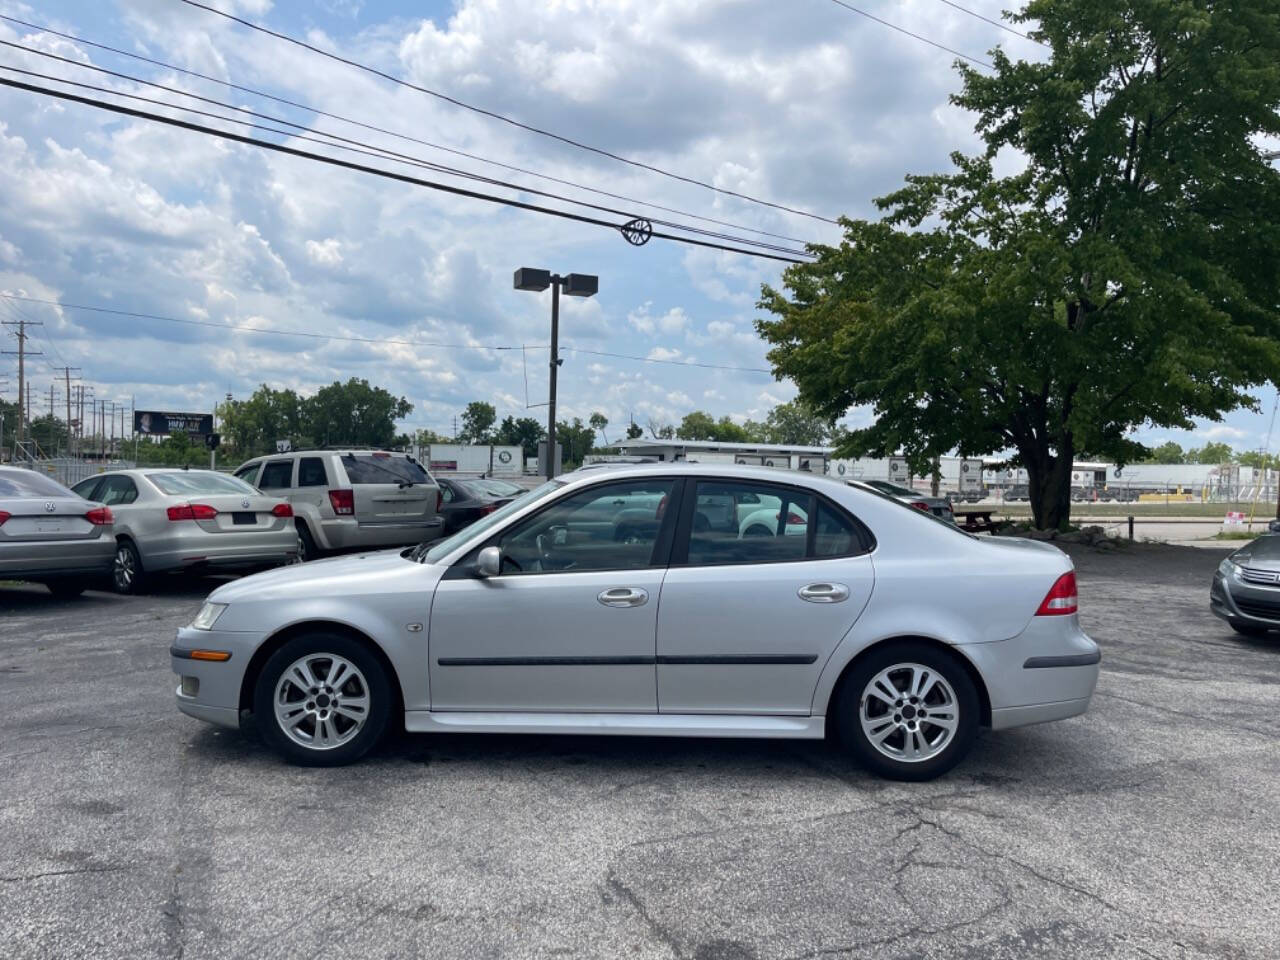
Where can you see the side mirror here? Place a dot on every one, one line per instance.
(489, 562)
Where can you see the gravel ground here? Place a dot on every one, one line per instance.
(1147, 828)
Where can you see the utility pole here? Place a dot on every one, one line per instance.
(67, 373)
(22, 353)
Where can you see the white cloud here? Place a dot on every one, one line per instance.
(326, 253)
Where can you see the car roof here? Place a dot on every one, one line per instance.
(617, 471)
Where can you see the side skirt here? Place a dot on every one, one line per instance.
(617, 724)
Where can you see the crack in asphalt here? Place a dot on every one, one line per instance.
(657, 930)
(22, 878)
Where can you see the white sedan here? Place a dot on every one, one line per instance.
(627, 600)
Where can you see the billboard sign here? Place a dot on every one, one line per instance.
(162, 423)
(898, 469)
(970, 476)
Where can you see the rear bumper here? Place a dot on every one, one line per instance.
(70, 558)
(347, 533)
(1048, 672)
(223, 550)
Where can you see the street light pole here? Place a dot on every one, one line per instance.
(575, 285)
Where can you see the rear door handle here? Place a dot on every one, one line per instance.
(824, 592)
(623, 597)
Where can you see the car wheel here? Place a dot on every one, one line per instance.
(908, 712)
(322, 700)
(126, 569)
(757, 530)
(1247, 630)
(66, 589)
(307, 549)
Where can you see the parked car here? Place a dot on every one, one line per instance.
(940, 507)
(175, 519)
(351, 499)
(882, 623)
(1246, 586)
(1017, 492)
(50, 535)
(503, 488)
(464, 502)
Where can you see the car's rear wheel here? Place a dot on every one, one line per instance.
(126, 569)
(757, 530)
(322, 700)
(307, 549)
(908, 711)
(66, 589)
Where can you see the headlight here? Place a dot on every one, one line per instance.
(208, 616)
(1229, 567)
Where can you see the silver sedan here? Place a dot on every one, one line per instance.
(50, 535)
(177, 519)
(626, 601)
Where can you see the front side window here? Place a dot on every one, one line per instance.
(446, 546)
(276, 475)
(612, 526)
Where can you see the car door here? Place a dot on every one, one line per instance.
(570, 624)
(748, 616)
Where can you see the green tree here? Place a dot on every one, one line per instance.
(524, 433)
(697, 425)
(477, 422)
(49, 433)
(576, 439)
(1211, 453)
(425, 437)
(354, 413)
(9, 416)
(661, 431)
(1258, 460)
(634, 431)
(1168, 452)
(599, 421)
(797, 424)
(252, 427)
(1126, 274)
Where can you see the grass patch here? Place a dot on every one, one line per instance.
(1215, 511)
(1239, 535)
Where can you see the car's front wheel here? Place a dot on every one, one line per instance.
(908, 711)
(322, 700)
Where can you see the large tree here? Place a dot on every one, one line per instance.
(1127, 274)
(354, 413)
(477, 422)
(523, 433)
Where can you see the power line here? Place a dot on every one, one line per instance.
(365, 149)
(891, 26)
(364, 168)
(272, 331)
(348, 120)
(498, 116)
(995, 23)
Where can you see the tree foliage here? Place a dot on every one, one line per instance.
(1128, 274)
(1168, 452)
(477, 422)
(523, 433)
(353, 413)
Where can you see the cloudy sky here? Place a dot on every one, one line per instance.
(800, 102)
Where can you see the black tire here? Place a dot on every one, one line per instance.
(757, 530)
(1247, 630)
(127, 575)
(307, 549)
(948, 668)
(320, 645)
(66, 589)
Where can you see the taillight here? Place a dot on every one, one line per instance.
(192, 511)
(921, 505)
(488, 508)
(282, 510)
(4, 516)
(98, 516)
(344, 502)
(1061, 598)
(792, 518)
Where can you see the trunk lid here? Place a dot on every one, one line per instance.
(239, 514)
(47, 519)
(388, 488)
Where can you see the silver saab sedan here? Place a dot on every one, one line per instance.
(629, 600)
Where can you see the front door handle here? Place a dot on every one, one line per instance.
(623, 597)
(824, 592)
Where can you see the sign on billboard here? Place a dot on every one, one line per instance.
(898, 469)
(162, 423)
(970, 476)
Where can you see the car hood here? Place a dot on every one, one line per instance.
(338, 576)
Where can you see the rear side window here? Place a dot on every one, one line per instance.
(249, 474)
(382, 468)
(834, 535)
(85, 488)
(311, 472)
(26, 483)
(276, 474)
(117, 491)
(181, 484)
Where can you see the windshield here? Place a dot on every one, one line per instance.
(26, 483)
(365, 468)
(180, 484)
(449, 544)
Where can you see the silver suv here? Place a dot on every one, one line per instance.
(351, 499)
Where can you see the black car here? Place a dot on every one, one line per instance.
(1246, 586)
(463, 502)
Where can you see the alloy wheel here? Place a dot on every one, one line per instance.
(124, 569)
(321, 701)
(909, 712)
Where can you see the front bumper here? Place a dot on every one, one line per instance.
(1047, 672)
(1234, 600)
(210, 690)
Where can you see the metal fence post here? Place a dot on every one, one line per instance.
(1131, 526)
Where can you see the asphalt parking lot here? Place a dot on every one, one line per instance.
(1148, 828)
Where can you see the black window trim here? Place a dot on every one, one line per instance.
(465, 567)
(865, 542)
